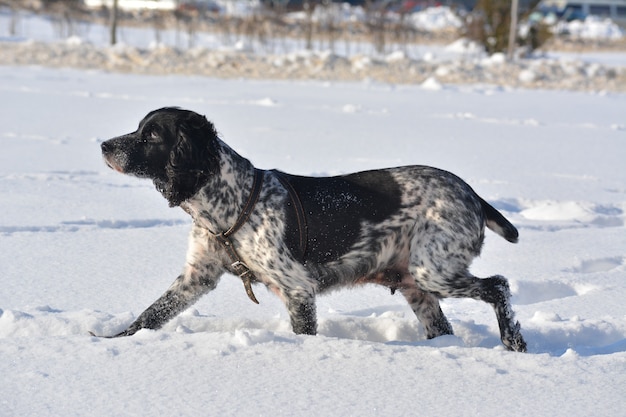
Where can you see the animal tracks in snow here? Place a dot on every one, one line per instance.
(52, 176)
(492, 120)
(74, 226)
(532, 122)
(33, 138)
(552, 215)
(535, 292)
(553, 334)
(592, 266)
(532, 292)
(91, 214)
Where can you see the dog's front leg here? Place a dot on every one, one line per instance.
(184, 292)
(201, 275)
(302, 312)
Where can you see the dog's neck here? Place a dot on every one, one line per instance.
(219, 202)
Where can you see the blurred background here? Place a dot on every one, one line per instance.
(549, 43)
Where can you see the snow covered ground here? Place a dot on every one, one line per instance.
(83, 248)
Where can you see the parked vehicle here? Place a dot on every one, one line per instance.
(580, 9)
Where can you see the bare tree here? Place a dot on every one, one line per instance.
(189, 19)
(158, 19)
(513, 29)
(113, 20)
(375, 23)
(491, 22)
(308, 26)
(15, 15)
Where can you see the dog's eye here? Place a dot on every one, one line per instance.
(151, 136)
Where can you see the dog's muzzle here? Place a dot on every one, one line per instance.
(109, 157)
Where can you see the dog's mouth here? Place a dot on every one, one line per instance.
(111, 163)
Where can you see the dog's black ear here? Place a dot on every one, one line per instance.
(193, 159)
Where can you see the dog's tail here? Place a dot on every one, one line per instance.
(496, 222)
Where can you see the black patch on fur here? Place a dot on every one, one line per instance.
(175, 148)
(336, 207)
(193, 158)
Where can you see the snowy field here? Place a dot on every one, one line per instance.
(83, 248)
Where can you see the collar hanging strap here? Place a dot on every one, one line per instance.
(238, 267)
(257, 183)
(299, 210)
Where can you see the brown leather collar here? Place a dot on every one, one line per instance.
(237, 266)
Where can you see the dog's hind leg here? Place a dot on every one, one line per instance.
(426, 308)
(302, 312)
(493, 290)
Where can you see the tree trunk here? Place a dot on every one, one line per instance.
(512, 29)
(113, 23)
(308, 35)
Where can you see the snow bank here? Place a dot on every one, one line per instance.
(462, 62)
(434, 19)
(592, 27)
(465, 46)
(431, 19)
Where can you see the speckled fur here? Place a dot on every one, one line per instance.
(421, 228)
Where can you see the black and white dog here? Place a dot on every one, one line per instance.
(413, 229)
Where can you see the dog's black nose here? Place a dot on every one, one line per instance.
(105, 146)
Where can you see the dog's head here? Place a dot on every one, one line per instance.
(177, 149)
